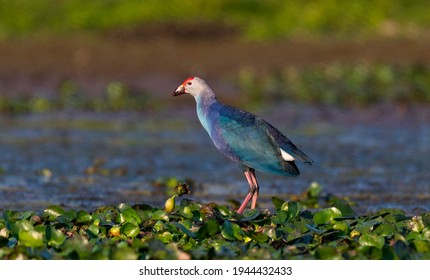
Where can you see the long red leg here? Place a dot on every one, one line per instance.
(255, 195)
(252, 193)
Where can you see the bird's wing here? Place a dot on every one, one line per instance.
(248, 139)
(288, 146)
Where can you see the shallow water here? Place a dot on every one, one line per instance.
(45, 159)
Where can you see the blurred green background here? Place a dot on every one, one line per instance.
(122, 55)
(254, 20)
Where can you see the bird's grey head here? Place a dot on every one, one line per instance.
(193, 86)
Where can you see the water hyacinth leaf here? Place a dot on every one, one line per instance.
(227, 231)
(106, 214)
(260, 238)
(372, 240)
(411, 236)
(277, 202)
(25, 215)
(10, 216)
(314, 229)
(23, 225)
(94, 229)
(129, 215)
(422, 246)
(159, 225)
(250, 215)
(129, 230)
(326, 215)
(426, 219)
(326, 253)
(123, 253)
(52, 212)
(67, 216)
(54, 236)
(31, 238)
(3, 241)
(160, 215)
(314, 190)
(322, 217)
(83, 217)
(208, 229)
(401, 249)
(292, 207)
(385, 229)
(165, 237)
(280, 218)
(231, 231)
(341, 225)
(186, 212)
(224, 211)
(344, 207)
(184, 229)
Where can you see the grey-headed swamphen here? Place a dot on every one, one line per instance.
(244, 138)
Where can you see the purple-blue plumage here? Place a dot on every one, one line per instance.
(246, 139)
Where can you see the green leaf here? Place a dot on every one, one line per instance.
(341, 225)
(344, 208)
(129, 215)
(385, 229)
(281, 217)
(31, 238)
(123, 253)
(83, 217)
(67, 216)
(24, 225)
(94, 229)
(326, 215)
(184, 229)
(277, 202)
(165, 237)
(314, 189)
(186, 212)
(160, 215)
(208, 229)
(159, 225)
(130, 230)
(292, 207)
(372, 240)
(231, 231)
(250, 214)
(426, 219)
(326, 253)
(422, 246)
(54, 237)
(52, 212)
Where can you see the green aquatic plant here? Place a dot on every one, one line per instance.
(191, 230)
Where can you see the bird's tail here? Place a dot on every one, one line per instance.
(302, 156)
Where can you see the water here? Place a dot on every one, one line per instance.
(377, 161)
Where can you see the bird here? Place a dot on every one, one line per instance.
(246, 139)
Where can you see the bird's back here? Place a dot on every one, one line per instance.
(251, 141)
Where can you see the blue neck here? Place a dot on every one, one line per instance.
(204, 103)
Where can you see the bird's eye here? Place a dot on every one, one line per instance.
(189, 83)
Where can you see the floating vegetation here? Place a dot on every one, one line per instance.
(191, 230)
(332, 84)
(116, 97)
(339, 84)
